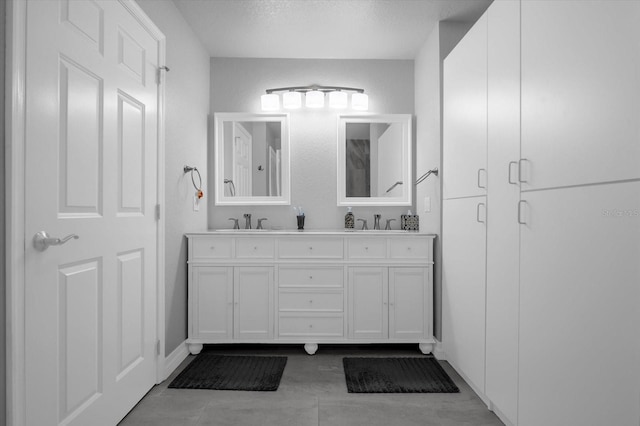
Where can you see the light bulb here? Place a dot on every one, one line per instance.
(292, 100)
(270, 102)
(314, 99)
(337, 99)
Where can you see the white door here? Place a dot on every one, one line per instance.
(580, 85)
(465, 115)
(409, 300)
(91, 171)
(211, 302)
(368, 303)
(253, 303)
(463, 286)
(579, 298)
(242, 159)
(503, 230)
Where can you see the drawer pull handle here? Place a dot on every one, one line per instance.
(310, 325)
(310, 301)
(310, 248)
(366, 248)
(255, 247)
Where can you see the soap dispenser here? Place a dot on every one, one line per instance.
(349, 220)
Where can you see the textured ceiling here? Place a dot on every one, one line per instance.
(337, 29)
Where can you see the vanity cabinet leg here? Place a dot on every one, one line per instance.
(194, 348)
(311, 348)
(426, 348)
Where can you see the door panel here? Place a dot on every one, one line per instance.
(465, 115)
(463, 286)
(579, 312)
(368, 303)
(580, 85)
(211, 300)
(91, 170)
(503, 230)
(409, 302)
(254, 303)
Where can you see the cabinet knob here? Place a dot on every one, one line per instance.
(310, 248)
(212, 247)
(366, 248)
(255, 247)
(310, 277)
(311, 301)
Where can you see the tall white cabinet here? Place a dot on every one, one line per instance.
(560, 300)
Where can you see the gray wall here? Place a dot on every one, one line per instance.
(3, 284)
(428, 108)
(236, 86)
(186, 111)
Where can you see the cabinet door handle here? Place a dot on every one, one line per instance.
(480, 186)
(520, 179)
(478, 213)
(510, 164)
(520, 221)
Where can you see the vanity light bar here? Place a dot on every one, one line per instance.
(314, 97)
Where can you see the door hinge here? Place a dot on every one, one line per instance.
(158, 348)
(157, 211)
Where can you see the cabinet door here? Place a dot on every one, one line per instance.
(465, 115)
(409, 303)
(580, 86)
(211, 302)
(368, 303)
(253, 303)
(503, 230)
(463, 286)
(579, 315)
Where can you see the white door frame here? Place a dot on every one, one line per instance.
(15, 203)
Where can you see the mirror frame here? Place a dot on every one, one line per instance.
(407, 161)
(218, 145)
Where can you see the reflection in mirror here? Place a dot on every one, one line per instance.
(374, 154)
(252, 152)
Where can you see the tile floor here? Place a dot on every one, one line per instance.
(312, 392)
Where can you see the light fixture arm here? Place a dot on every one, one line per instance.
(305, 89)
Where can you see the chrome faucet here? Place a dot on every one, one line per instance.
(364, 224)
(247, 219)
(235, 223)
(260, 222)
(376, 221)
(387, 227)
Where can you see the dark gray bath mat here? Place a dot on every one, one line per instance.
(397, 375)
(222, 372)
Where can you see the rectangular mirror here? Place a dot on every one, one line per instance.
(252, 159)
(374, 160)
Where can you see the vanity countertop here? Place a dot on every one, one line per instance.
(355, 232)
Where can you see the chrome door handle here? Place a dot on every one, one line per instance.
(42, 240)
(520, 221)
(478, 183)
(510, 164)
(520, 170)
(478, 213)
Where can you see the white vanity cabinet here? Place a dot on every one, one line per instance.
(310, 288)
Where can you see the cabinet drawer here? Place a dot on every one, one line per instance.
(255, 248)
(311, 248)
(367, 248)
(310, 300)
(310, 277)
(210, 248)
(329, 325)
(410, 248)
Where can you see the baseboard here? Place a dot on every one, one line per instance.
(175, 358)
(438, 351)
(499, 413)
